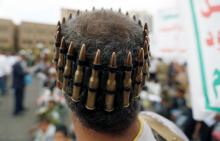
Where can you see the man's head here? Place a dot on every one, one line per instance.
(44, 123)
(109, 63)
(51, 103)
(61, 133)
(21, 56)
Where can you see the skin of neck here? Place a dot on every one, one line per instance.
(85, 134)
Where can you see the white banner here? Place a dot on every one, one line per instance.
(168, 32)
(202, 22)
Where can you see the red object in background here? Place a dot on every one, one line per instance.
(210, 40)
(216, 135)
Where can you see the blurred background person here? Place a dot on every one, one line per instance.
(3, 74)
(162, 71)
(153, 69)
(45, 130)
(62, 134)
(19, 72)
(216, 130)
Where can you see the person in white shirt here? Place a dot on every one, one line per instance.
(45, 131)
(4, 68)
(102, 61)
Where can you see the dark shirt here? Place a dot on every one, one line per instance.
(178, 103)
(18, 75)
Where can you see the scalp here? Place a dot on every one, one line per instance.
(104, 30)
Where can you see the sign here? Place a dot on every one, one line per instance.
(203, 19)
(168, 34)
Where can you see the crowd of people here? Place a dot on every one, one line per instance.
(15, 67)
(16, 73)
(52, 114)
(166, 92)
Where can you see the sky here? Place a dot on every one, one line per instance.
(48, 11)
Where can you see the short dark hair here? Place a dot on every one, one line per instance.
(62, 129)
(110, 32)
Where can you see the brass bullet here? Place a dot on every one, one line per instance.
(78, 77)
(61, 62)
(111, 85)
(139, 73)
(56, 51)
(127, 81)
(93, 83)
(68, 69)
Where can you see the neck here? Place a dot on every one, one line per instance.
(85, 134)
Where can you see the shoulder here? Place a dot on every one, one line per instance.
(162, 122)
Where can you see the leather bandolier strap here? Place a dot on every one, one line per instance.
(160, 131)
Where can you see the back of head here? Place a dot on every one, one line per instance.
(62, 129)
(102, 61)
